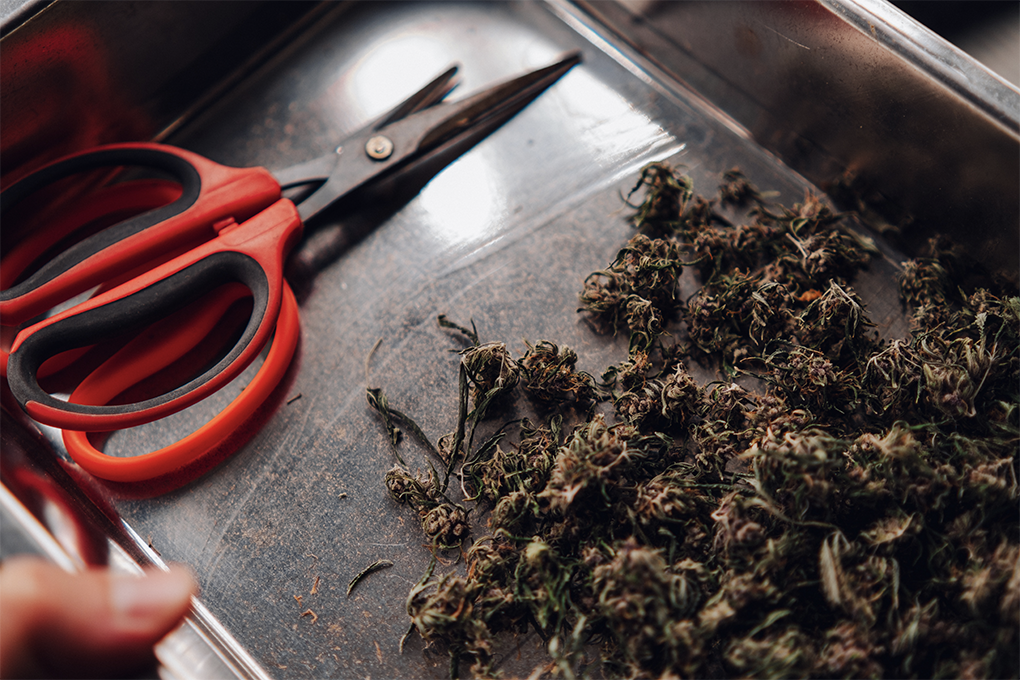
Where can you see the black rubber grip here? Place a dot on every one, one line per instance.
(133, 313)
(177, 167)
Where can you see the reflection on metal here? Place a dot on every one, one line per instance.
(847, 91)
(379, 148)
(197, 651)
(17, 518)
(463, 204)
(504, 237)
(607, 124)
(77, 75)
(65, 518)
(389, 70)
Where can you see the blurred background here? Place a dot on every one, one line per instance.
(988, 30)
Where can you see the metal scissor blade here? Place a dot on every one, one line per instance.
(319, 169)
(432, 93)
(310, 172)
(424, 128)
(499, 103)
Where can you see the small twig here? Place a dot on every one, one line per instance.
(374, 567)
(368, 358)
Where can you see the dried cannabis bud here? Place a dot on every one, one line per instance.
(666, 195)
(443, 522)
(550, 376)
(637, 291)
(848, 511)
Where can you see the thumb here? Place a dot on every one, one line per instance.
(92, 623)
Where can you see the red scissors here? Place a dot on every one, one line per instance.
(210, 227)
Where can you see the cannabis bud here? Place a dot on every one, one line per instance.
(491, 370)
(550, 377)
(446, 524)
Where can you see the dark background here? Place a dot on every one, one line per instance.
(988, 30)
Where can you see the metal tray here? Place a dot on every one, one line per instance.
(503, 237)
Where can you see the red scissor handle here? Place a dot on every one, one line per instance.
(202, 215)
(251, 253)
(124, 371)
(130, 198)
(210, 192)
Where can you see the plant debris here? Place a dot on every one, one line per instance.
(835, 505)
(370, 569)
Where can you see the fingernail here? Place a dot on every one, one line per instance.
(135, 599)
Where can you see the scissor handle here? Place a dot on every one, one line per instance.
(210, 192)
(188, 457)
(251, 253)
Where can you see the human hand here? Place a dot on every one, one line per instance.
(92, 623)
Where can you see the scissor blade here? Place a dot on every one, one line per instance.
(380, 150)
(310, 172)
(499, 103)
(319, 169)
(427, 96)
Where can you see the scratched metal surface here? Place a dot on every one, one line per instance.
(504, 236)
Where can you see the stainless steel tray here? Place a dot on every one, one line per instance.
(502, 237)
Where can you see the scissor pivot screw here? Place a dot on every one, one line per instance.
(379, 147)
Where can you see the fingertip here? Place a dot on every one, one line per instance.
(92, 623)
(151, 605)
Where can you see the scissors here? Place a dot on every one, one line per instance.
(208, 228)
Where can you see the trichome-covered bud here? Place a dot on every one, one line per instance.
(595, 454)
(550, 377)
(666, 194)
(446, 525)
(491, 370)
(737, 190)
